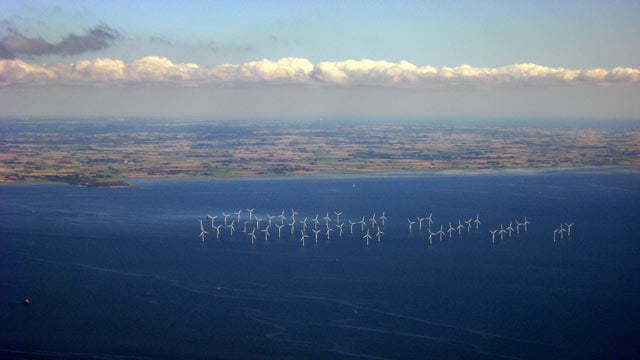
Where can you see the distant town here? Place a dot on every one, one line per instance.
(105, 152)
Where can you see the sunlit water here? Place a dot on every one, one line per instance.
(123, 273)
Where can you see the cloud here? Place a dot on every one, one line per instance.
(97, 38)
(293, 71)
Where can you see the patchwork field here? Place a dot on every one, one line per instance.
(101, 152)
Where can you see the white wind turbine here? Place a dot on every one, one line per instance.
(363, 223)
(328, 233)
(493, 235)
(279, 226)
(501, 232)
(316, 232)
(372, 220)
(431, 236)
(212, 218)
(468, 222)
(270, 217)
(410, 224)
(440, 232)
(225, 218)
(351, 223)
(460, 227)
(293, 214)
(477, 221)
(293, 226)
(420, 220)
(525, 223)
(217, 231)
(315, 220)
(304, 224)
(379, 234)
(382, 218)
(451, 229)
(338, 213)
(368, 237)
(430, 219)
(326, 219)
(252, 236)
(202, 231)
(250, 213)
(304, 236)
(231, 227)
(238, 215)
(282, 217)
(510, 228)
(339, 226)
(266, 233)
(569, 229)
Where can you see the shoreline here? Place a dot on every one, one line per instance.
(125, 182)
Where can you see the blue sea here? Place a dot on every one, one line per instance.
(122, 272)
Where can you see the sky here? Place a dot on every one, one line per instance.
(320, 58)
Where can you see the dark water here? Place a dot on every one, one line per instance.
(122, 273)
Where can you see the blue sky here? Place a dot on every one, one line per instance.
(584, 52)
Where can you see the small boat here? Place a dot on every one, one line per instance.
(27, 301)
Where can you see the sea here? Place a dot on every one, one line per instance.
(123, 273)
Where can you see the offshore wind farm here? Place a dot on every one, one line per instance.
(154, 266)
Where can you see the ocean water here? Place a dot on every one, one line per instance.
(122, 273)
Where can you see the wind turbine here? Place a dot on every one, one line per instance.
(339, 226)
(338, 213)
(304, 236)
(555, 231)
(202, 231)
(293, 226)
(379, 234)
(212, 218)
(326, 219)
(231, 227)
(431, 236)
(502, 231)
(410, 224)
(518, 224)
(238, 214)
(525, 223)
(293, 214)
(258, 222)
(372, 219)
(252, 235)
(460, 227)
(282, 217)
(451, 229)
(328, 233)
(493, 235)
(430, 219)
(362, 222)
(569, 229)
(304, 224)
(477, 221)
(244, 227)
(279, 226)
(351, 223)
(217, 231)
(250, 213)
(468, 222)
(270, 217)
(266, 233)
(316, 221)
(225, 218)
(420, 220)
(368, 237)
(510, 228)
(562, 231)
(316, 232)
(382, 218)
(440, 232)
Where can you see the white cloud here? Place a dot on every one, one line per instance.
(301, 72)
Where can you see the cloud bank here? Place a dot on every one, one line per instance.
(97, 38)
(299, 72)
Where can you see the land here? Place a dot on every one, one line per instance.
(105, 152)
